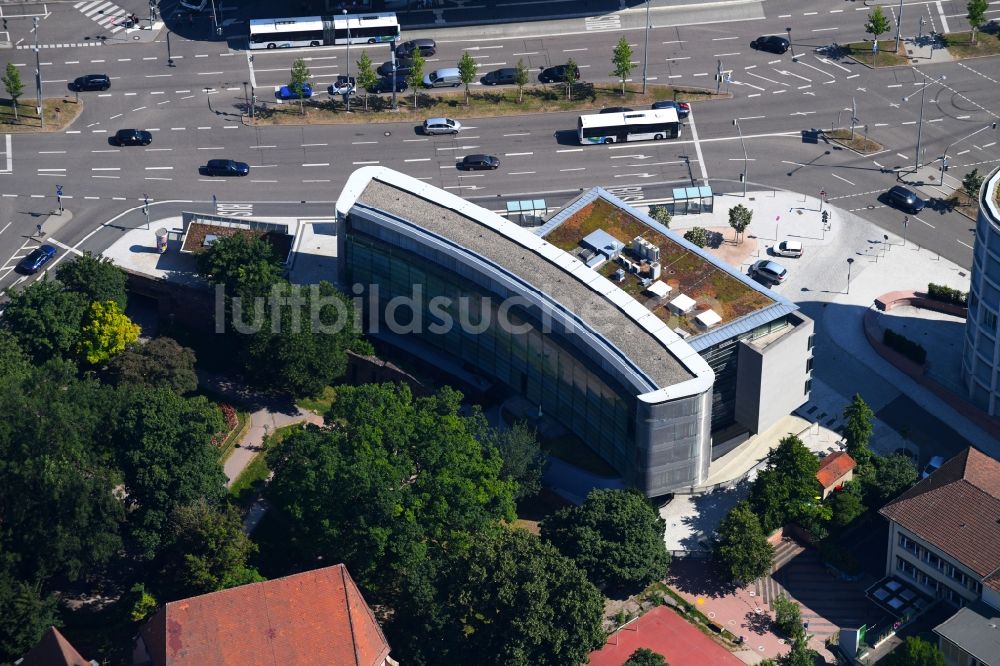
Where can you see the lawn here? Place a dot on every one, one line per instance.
(887, 54)
(859, 143)
(234, 436)
(59, 114)
(251, 480)
(320, 404)
(959, 44)
(482, 103)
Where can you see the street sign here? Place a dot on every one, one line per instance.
(58, 190)
(906, 220)
(822, 193)
(875, 47)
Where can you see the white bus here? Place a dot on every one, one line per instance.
(282, 33)
(654, 124)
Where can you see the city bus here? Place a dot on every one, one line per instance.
(654, 124)
(283, 33)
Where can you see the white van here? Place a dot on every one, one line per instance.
(443, 78)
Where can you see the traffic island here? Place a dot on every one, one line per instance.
(585, 98)
(961, 46)
(887, 56)
(859, 144)
(59, 114)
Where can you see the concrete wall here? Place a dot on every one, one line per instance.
(772, 375)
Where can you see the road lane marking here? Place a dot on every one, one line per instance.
(418, 159)
(843, 179)
(317, 164)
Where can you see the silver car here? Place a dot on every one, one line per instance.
(442, 126)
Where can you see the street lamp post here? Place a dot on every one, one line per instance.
(850, 260)
(920, 121)
(38, 77)
(906, 223)
(899, 21)
(170, 59)
(347, 95)
(746, 159)
(944, 158)
(645, 49)
(215, 18)
(790, 45)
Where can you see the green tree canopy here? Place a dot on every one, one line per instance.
(877, 24)
(510, 599)
(971, 184)
(787, 615)
(739, 219)
(13, 85)
(742, 551)
(800, 653)
(893, 475)
(395, 478)
(915, 651)
(161, 362)
(661, 214)
(846, 506)
(106, 332)
(787, 488)
(570, 76)
(415, 79)
(245, 264)
(298, 79)
(365, 76)
(523, 460)
(520, 78)
(467, 70)
(975, 12)
(96, 278)
(621, 59)
(45, 319)
(697, 236)
(27, 613)
(858, 428)
(645, 657)
(615, 536)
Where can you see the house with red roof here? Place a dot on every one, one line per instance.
(53, 649)
(835, 470)
(307, 619)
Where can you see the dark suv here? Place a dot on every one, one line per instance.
(91, 82)
(771, 43)
(905, 200)
(479, 163)
(427, 48)
(225, 168)
(506, 76)
(132, 137)
(403, 66)
(556, 74)
(384, 84)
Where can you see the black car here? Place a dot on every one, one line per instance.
(403, 66)
(771, 43)
(36, 259)
(556, 74)
(479, 162)
(905, 200)
(505, 76)
(384, 84)
(91, 82)
(132, 137)
(427, 48)
(616, 109)
(225, 168)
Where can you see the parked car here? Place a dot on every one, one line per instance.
(403, 66)
(133, 137)
(769, 271)
(427, 48)
(442, 126)
(683, 108)
(285, 92)
(505, 76)
(225, 168)
(932, 466)
(447, 77)
(36, 259)
(771, 43)
(384, 84)
(788, 248)
(556, 74)
(616, 109)
(479, 163)
(905, 200)
(343, 86)
(91, 82)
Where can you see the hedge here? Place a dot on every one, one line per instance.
(908, 348)
(939, 292)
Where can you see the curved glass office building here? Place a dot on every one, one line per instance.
(981, 360)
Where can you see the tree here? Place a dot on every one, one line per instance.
(298, 80)
(45, 319)
(915, 652)
(622, 61)
(467, 69)
(161, 362)
(571, 74)
(739, 219)
(976, 14)
(142, 601)
(523, 460)
(800, 653)
(520, 79)
(858, 429)
(661, 214)
(787, 615)
(510, 599)
(741, 549)
(878, 24)
(786, 489)
(972, 183)
(27, 614)
(697, 235)
(846, 506)
(162, 443)
(365, 76)
(245, 264)
(615, 536)
(210, 550)
(893, 475)
(97, 278)
(645, 657)
(12, 83)
(394, 480)
(107, 331)
(415, 79)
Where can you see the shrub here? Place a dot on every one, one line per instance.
(697, 235)
(939, 292)
(902, 344)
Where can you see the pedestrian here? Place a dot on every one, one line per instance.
(215, 201)
(38, 227)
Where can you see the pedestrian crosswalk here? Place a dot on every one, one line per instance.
(108, 15)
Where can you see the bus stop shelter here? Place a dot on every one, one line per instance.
(693, 200)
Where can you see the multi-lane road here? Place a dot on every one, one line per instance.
(194, 111)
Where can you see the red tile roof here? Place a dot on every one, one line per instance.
(957, 510)
(834, 466)
(316, 617)
(53, 650)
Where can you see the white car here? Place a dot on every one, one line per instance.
(932, 466)
(442, 126)
(788, 248)
(342, 86)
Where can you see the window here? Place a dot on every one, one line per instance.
(908, 544)
(812, 339)
(809, 366)
(808, 387)
(989, 320)
(905, 567)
